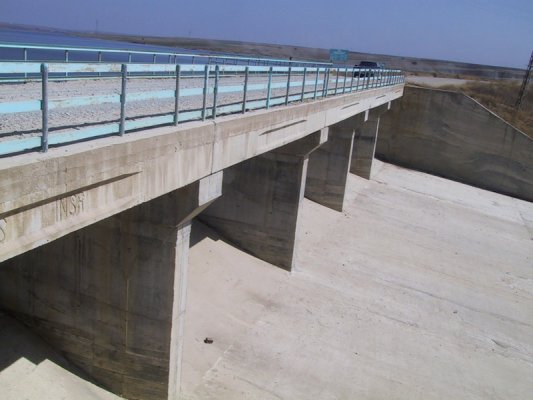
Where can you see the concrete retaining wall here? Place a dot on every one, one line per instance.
(451, 135)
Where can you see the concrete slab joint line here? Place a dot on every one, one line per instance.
(261, 199)
(127, 276)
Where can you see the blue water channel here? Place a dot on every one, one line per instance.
(30, 37)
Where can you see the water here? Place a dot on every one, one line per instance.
(22, 36)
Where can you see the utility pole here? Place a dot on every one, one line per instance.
(524, 83)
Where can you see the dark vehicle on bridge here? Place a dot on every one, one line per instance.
(363, 68)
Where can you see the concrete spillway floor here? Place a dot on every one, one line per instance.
(31, 369)
(421, 289)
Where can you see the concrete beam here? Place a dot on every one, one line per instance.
(261, 201)
(364, 143)
(46, 196)
(330, 163)
(111, 296)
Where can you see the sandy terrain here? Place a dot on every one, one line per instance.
(421, 289)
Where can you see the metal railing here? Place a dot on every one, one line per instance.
(209, 84)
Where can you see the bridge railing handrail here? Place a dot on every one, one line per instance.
(311, 83)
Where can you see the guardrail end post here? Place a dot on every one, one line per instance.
(124, 74)
(44, 107)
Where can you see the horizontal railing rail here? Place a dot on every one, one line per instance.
(191, 92)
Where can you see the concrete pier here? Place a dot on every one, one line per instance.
(111, 296)
(261, 200)
(330, 163)
(364, 143)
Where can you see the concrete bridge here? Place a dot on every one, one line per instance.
(94, 236)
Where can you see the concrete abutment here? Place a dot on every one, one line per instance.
(111, 296)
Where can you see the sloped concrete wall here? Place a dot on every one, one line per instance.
(451, 135)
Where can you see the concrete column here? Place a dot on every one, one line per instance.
(261, 199)
(111, 296)
(330, 163)
(364, 144)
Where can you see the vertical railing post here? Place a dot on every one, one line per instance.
(66, 60)
(358, 79)
(44, 108)
(316, 81)
(99, 60)
(326, 83)
(177, 95)
(351, 79)
(345, 79)
(215, 91)
(124, 74)
(303, 84)
(269, 87)
(288, 86)
(206, 82)
(336, 80)
(246, 75)
(25, 54)
(129, 58)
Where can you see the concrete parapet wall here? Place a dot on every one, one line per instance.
(451, 135)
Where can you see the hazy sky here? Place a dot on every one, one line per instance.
(497, 32)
